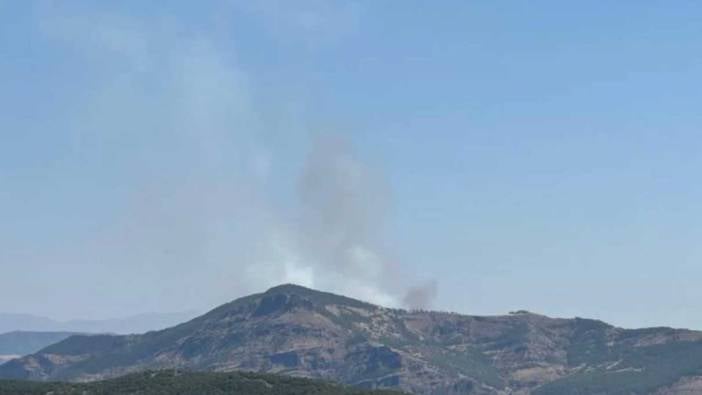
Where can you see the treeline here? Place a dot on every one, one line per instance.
(186, 383)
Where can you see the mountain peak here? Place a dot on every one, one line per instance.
(317, 297)
(289, 288)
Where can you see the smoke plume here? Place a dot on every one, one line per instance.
(342, 208)
(335, 239)
(183, 167)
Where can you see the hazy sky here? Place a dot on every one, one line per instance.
(167, 156)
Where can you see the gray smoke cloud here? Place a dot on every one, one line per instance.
(343, 206)
(421, 296)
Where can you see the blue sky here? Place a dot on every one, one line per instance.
(541, 156)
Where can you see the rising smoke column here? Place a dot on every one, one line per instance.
(342, 208)
(336, 242)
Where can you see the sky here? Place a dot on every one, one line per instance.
(478, 157)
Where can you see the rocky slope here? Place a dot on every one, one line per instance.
(302, 332)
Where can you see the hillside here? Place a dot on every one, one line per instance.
(301, 332)
(187, 383)
(22, 343)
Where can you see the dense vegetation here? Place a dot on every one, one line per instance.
(169, 382)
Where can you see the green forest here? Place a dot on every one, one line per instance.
(186, 383)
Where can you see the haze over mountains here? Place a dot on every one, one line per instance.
(133, 324)
(22, 343)
(297, 331)
(22, 334)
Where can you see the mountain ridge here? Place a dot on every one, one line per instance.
(298, 331)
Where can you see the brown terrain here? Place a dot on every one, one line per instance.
(297, 331)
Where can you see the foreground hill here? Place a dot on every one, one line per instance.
(302, 332)
(187, 383)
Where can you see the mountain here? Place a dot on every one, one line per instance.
(302, 332)
(22, 343)
(134, 324)
(188, 383)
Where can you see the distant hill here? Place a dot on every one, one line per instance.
(22, 343)
(187, 383)
(7, 357)
(134, 324)
(302, 332)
